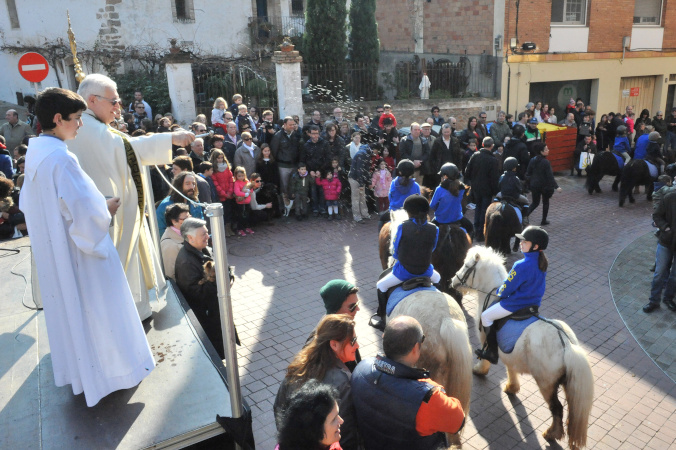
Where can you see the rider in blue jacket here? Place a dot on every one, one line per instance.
(400, 189)
(447, 199)
(403, 186)
(414, 242)
(523, 288)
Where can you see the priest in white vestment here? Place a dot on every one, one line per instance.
(97, 342)
(103, 156)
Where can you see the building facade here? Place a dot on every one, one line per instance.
(107, 27)
(610, 53)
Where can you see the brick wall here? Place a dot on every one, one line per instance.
(534, 22)
(395, 25)
(609, 21)
(448, 27)
(669, 23)
(453, 27)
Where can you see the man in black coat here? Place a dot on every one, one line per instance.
(315, 155)
(200, 293)
(664, 277)
(416, 148)
(516, 148)
(483, 174)
(285, 148)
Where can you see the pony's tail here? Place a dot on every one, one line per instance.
(454, 335)
(494, 228)
(579, 389)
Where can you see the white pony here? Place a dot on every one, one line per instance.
(547, 350)
(446, 353)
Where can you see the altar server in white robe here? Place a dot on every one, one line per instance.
(96, 338)
(114, 162)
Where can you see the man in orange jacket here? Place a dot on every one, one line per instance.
(397, 405)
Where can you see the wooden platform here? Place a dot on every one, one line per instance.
(174, 407)
(561, 145)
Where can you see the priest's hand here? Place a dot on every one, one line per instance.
(182, 138)
(113, 204)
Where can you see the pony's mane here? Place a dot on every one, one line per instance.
(486, 254)
(490, 269)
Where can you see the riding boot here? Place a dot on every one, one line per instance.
(377, 321)
(524, 214)
(489, 352)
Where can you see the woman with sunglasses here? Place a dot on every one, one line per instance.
(323, 359)
(247, 154)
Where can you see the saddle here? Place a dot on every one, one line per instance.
(510, 328)
(400, 292)
(519, 315)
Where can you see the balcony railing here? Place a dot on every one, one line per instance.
(272, 29)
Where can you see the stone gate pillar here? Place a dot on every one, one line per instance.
(181, 89)
(289, 84)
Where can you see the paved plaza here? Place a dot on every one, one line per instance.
(280, 269)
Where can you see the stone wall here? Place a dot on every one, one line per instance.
(408, 111)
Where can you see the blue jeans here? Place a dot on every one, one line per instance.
(482, 204)
(317, 196)
(664, 259)
(671, 141)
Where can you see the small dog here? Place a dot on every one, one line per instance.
(209, 273)
(287, 208)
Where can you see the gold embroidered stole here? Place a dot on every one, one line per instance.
(138, 232)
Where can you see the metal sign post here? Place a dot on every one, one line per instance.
(214, 212)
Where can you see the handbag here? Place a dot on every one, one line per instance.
(586, 159)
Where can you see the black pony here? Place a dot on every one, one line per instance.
(603, 164)
(502, 223)
(635, 173)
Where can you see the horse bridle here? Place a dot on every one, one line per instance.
(468, 271)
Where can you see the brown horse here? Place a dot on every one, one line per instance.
(502, 223)
(447, 258)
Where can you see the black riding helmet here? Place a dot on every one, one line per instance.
(671, 170)
(536, 235)
(450, 170)
(416, 205)
(405, 168)
(510, 164)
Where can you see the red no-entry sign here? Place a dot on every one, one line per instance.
(33, 67)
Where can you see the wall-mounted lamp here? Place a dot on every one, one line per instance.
(528, 46)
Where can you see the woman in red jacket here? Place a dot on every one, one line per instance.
(222, 178)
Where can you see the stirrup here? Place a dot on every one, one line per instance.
(485, 353)
(377, 322)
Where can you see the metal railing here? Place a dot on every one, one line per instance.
(340, 82)
(458, 77)
(272, 29)
(213, 80)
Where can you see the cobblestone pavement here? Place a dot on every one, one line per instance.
(630, 280)
(280, 269)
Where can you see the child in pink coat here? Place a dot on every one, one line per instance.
(243, 200)
(382, 179)
(332, 188)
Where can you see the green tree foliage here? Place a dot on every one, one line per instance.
(153, 85)
(324, 41)
(364, 48)
(364, 44)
